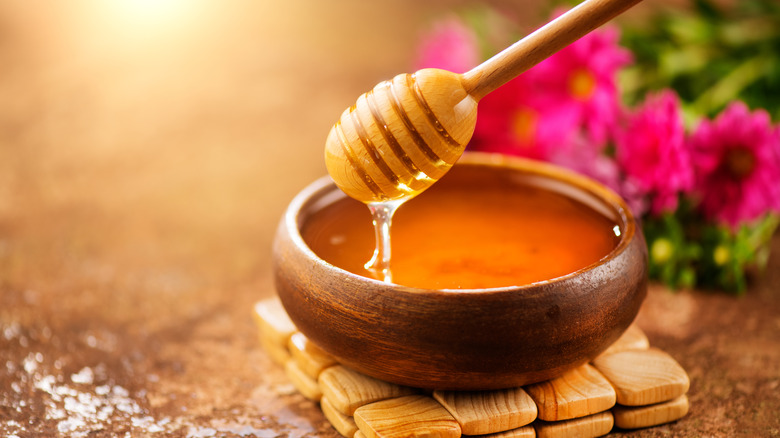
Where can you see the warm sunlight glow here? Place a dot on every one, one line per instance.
(141, 20)
(149, 12)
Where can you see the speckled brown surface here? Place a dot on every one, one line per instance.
(145, 158)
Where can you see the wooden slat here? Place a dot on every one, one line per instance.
(645, 416)
(311, 358)
(278, 354)
(273, 321)
(584, 427)
(413, 415)
(345, 425)
(347, 390)
(577, 393)
(643, 377)
(632, 339)
(520, 432)
(307, 386)
(648, 384)
(485, 412)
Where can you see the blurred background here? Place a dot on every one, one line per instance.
(188, 122)
(147, 151)
(159, 141)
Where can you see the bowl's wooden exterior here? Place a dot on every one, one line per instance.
(454, 339)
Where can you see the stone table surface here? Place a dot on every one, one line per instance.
(147, 151)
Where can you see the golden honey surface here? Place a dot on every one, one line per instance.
(473, 229)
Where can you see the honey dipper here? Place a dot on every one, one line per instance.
(406, 133)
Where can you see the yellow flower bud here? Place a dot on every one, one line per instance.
(661, 251)
(721, 255)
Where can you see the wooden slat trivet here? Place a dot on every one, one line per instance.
(411, 415)
(645, 416)
(591, 426)
(344, 424)
(279, 354)
(631, 339)
(643, 377)
(305, 384)
(342, 392)
(577, 393)
(520, 432)
(311, 358)
(483, 412)
(348, 390)
(275, 329)
(274, 324)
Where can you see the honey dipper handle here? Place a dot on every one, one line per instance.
(542, 43)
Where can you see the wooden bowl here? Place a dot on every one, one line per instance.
(464, 339)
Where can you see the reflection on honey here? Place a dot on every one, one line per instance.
(473, 229)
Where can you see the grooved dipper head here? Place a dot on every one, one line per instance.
(401, 137)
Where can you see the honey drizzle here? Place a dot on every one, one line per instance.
(382, 219)
(383, 210)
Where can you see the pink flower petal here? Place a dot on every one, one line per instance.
(734, 198)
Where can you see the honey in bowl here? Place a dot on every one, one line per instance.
(471, 230)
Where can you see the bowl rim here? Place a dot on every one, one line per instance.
(325, 185)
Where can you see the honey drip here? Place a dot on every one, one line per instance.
(382, 219)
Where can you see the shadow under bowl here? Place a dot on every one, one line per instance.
(477, 339)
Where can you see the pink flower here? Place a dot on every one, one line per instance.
(449, 45)
(582, 78)
(737, 162)
(651, 149)
(594, 164)
(544, 111)
(511, 121)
